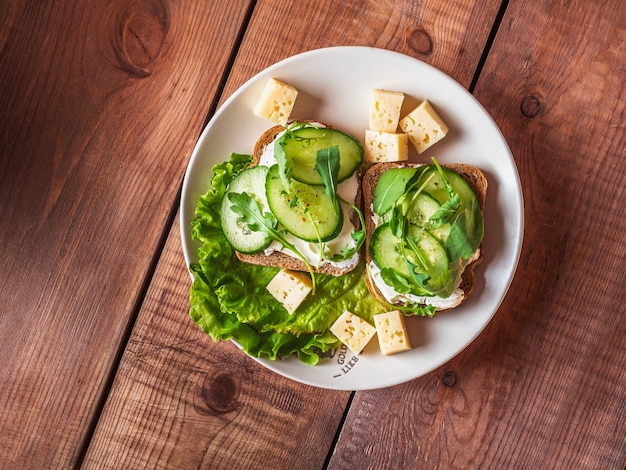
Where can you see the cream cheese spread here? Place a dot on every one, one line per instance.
(393, 297)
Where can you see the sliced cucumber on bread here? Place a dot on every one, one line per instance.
(424, 228)
(304, 210)
(302, 144)
(302, 206)
(250, 181)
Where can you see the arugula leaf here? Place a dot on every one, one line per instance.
(392, 278)
(466, 232)
(445, 213)
(327, 165)
(399, 222)
(281, 160)
(444, 284)
(391, 185)
(358, 236)
(444, 178)
(250, 213)
(427, 279)
(281, 156)
(402, 286)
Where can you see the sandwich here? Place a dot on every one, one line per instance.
(295, 207)
(425, 230)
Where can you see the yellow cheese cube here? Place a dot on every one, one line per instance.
(424, 126)
(352, 331)
(385, 147)
(290, 288)
(385, 110)
(392, 334)
(276, 102)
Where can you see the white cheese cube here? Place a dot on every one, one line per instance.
(385, 110)
(290, 288)
(385, 147)
(424, 126)
(392, 334)
(276, 102)
(352, 331)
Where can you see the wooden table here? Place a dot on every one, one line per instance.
(102, 103)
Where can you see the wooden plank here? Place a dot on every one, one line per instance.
(543, 386)
(182, 401)
(178, 399)
(101, 105)
(448, 35)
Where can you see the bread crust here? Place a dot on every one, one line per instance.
(474, 177)
(282, 260)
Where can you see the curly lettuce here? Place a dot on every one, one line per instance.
(229, 299)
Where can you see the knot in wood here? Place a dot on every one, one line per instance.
(139, 34)
(530, 106)
(218, 394)
(449, 379)
(420, 42)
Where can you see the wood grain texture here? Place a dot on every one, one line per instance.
(542, 387)
(179, 400)
(101, 106)
(182, 401)
(448, 35)
(162, 409)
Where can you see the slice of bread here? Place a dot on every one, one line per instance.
(282, 260)
(474, 177)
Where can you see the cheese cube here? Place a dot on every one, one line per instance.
(276, 102)
(352, 331)
(385, 110)
(290, 288)
(424, 126)
(392, 334)
(385, 147)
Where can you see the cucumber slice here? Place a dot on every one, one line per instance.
(386, 251)
(437, 189)
(294, 210)
(391, 185)
(241, 238)
(301, 146)
(422, 208)
(433, 252)
(441, 233)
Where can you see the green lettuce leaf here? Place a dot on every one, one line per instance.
(229, 299)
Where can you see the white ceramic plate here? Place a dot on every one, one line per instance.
(334, 86)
